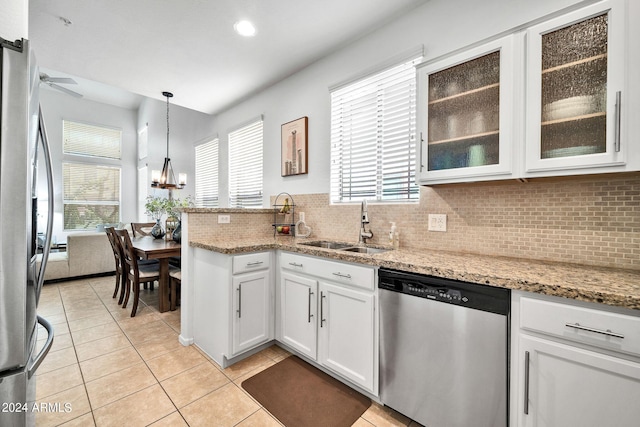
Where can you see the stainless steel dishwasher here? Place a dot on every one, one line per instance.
(444, 350)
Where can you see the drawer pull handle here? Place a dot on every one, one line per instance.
(607, 332)
(295, 264)
(252, 264)
(346, 276)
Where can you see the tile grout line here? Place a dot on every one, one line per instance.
(144, 304)
(84, 383)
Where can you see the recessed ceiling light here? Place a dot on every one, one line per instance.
(244, 28)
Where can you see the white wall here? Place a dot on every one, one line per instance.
(442, 26)
(56, 107)
(188, 128)
(14, 19)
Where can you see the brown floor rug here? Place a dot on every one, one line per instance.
(300, 395)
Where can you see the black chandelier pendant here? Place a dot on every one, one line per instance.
(166, 178)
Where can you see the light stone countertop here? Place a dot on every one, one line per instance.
(616, 287)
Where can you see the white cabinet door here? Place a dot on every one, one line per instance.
(570, 386)
(575, 92)
(298, 309)
(465, 115)
(211, 302)
(251, 302)
(347, 333)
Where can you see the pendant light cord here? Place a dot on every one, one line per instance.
(167, 126)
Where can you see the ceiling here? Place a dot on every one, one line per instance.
(120, 51)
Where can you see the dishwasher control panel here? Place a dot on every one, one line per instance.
(471, 295)
(432, 292)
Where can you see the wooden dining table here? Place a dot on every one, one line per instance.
(149, 248)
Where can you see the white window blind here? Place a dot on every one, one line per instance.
(373, 137)
(207, 174)
(245, 166)
(91, 195)
(88, 140)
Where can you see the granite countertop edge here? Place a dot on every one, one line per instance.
(610, 286)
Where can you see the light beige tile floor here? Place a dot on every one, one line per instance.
(108, 369)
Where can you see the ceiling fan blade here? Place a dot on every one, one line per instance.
(65, 90)
(63, 80)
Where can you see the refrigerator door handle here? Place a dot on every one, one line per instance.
(33, 366)
(42, 130)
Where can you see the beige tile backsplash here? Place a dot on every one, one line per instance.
(584, 220)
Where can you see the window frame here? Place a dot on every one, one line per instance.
(90, 159)
(214, 145)
(350, 160)
(66, 202)
(240, 136)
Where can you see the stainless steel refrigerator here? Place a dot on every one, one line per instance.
(22, 144)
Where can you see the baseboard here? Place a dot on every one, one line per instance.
(185, 341)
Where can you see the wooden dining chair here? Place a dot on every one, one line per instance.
(119, 260)
(142, 228)
(136, 274)
(175, 283)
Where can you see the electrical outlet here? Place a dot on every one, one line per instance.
(224, 219)
(437, 222)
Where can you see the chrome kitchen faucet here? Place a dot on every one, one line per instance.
(364, 219)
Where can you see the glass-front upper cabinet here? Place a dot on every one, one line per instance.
(575, 97)
(465, 105)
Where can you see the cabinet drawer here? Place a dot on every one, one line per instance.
(348, 274)
(250, 262)
(611, 331)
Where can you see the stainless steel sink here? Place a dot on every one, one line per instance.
(347, 247)
(365, 250)
(327, 245)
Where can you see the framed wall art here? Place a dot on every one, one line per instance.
(294, 147)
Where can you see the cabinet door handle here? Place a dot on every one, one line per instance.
(252, 264)
(346, 276)
(239, 310)
(618, 111)
(322, 319)
(420, 151)
(295, 264)
(526, 382)
(607, 332)
(309, 308)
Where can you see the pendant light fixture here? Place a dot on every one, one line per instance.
(166, 178)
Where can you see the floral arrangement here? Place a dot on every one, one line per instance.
(156, 207)
(173, 206)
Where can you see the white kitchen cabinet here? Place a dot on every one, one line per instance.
(298, 313)
(576, 92)
(252, 304)
(328, 313)
(573, 363)
(347, 332)
(550, 99)
(570, 386)
(465, 115)
(233, 303)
